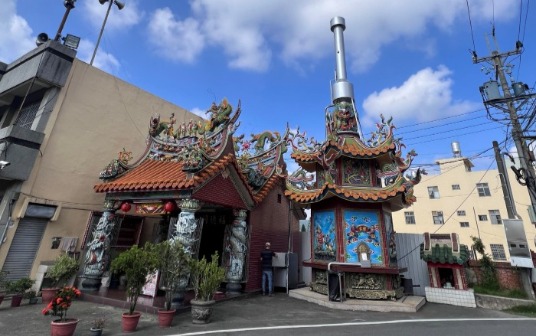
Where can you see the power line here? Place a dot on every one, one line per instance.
(452, 214)
(453, 136)
(520, 18)
(471, 26)
(446, 131)
(439, 119)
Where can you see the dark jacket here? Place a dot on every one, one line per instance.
(266, 259)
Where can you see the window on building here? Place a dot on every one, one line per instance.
(410, 217)
(464, 224)
(483, 218)
(497, 251)
(433, 192)
(437, 217)
(483, 189)
(461, 212)
(495, 217)
(27, 115)
(455, 187)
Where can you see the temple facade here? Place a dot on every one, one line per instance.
(207, 188)
(352, 185)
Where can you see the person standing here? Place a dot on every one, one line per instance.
(267, 274)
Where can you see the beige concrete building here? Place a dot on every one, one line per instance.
(61, 123)
(467, 202)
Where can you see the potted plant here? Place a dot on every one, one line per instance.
(206, 278)
(136, 263)
(173, 264)
(58, 306)
(3, 285)
(18, 288)
(64, 268)
(31, 296)
(97, 325)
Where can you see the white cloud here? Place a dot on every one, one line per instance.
(250, 32)
(175, 39)
(424, 96)
(15, 33)
(121, 20)
(199, 112)
(103, 60)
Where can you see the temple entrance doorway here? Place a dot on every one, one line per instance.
(213, 232)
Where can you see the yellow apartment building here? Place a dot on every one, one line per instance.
(469, 203)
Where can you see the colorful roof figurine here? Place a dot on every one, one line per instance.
(188, 156)
(349, 168)
(345, 165)
(444, 249)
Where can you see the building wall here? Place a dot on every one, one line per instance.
(453, 171)
(509, 277)
(95, 116)
(270, 222)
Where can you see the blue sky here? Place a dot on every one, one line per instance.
(407, 59)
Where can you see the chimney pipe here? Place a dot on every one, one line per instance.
(341, 89)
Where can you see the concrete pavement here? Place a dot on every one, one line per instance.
(248, 312)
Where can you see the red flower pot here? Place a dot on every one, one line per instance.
(165, 317)
(16, 300)
(63, 328)
(130, 322)
(47, 294)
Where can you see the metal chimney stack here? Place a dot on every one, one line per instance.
(341, 89)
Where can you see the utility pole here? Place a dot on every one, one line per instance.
(505, 183)
(510, 104)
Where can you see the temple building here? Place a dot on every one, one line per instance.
(62, 121)
(352, 186)
(206, 188)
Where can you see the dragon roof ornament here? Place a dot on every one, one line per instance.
(261, 157)
(193, 143)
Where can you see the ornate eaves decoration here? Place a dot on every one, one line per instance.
(382, 147)
(117, 167)
(261, 157)
(194, 144)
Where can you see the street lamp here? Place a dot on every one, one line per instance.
(69, 4)
(120, 6)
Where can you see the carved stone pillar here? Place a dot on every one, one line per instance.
(188, 233)
(236, 250)
(97, 258)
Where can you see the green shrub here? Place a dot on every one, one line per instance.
(64, 268)
(3, 281)
(19, 287)
(136, 263)
(206, 277)
(174, 266)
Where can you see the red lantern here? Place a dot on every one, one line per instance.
(169, 206)
(125, 207)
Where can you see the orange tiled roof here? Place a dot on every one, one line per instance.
(348, 147)
(268, 186)
(316, 195)
(153, 175)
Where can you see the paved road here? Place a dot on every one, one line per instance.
(281, 315)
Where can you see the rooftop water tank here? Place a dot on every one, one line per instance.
(456, 150)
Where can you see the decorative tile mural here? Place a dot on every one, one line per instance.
(363, 237)
(356, 172)
(324, 238)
